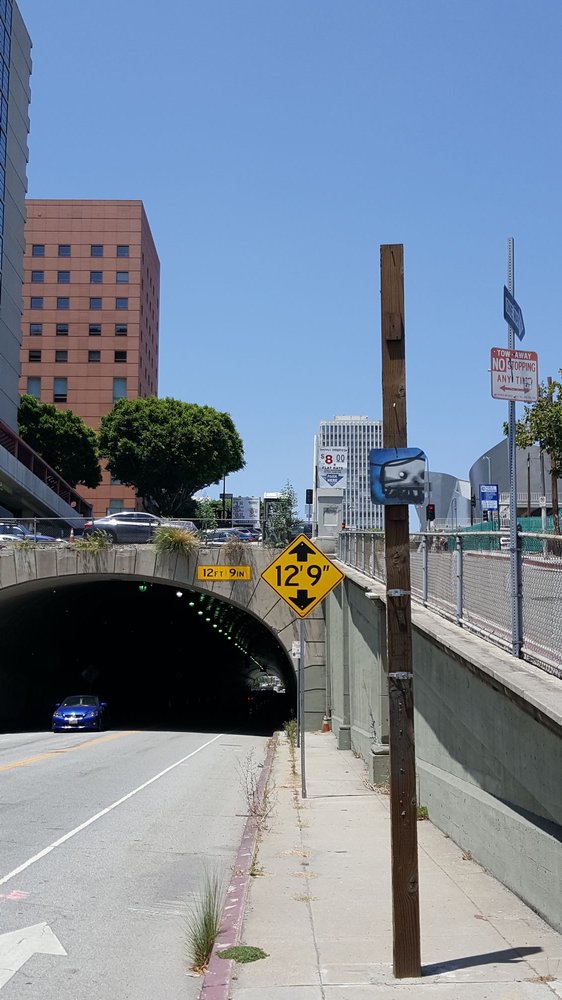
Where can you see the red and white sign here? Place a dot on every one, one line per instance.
(515, 375)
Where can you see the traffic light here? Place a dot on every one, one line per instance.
(430, 511)
(473, 500)
(309, 496)
(484, 515)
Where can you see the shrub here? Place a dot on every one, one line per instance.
(179, 540)
(204, 920)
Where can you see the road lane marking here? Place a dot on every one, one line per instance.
(56, 753)
(16, 947)
(103, 812)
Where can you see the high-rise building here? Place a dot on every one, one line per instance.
(28, 488)
(356, 436)
(90, 314)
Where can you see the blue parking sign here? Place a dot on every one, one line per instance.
(489, 496)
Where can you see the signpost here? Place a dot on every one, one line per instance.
(302, 576)
(489, 496)
(512, 313)
(515, 375)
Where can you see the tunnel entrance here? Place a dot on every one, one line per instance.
(161, 657)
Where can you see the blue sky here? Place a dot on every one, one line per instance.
(276, 144)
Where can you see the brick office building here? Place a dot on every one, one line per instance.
(90, 321)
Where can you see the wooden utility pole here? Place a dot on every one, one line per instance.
(403, 806)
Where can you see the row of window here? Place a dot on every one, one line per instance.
(96, 277)
(60, 388)
(65, 250)
(63, 329)
(63, 302)
(118, 356)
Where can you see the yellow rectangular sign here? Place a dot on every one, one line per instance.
(224, 572)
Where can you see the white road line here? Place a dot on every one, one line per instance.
(108, 809)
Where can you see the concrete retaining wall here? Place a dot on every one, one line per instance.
(488, 737)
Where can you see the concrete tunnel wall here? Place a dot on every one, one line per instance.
(488, 731)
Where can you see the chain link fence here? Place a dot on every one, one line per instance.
(466, 576)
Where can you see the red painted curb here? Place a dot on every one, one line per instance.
(218, 977)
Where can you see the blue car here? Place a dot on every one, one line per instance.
(80, 712)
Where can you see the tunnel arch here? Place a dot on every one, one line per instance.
(262, 628)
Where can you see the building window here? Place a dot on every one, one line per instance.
(120, 356)
(94, 329)
(114, 506)
(95, 303)
(34, 386)
(121, 303)
(35, 329)
(60, 390)
(122, 277)
(96, 250)
(96, 277)
(34, 356)
(63, 302)
(94, 356)
(38, 250)
(119, 389)
(64, 249)
(113, 481)
(61, 329)
(61, 355)
(37, 277)
(121, 329)
(63, 277)
(122, 251)
(36, 302)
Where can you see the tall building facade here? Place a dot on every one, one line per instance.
(358, 435)
(15, 71)
(90, 324)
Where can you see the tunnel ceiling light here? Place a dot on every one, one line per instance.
(192, 604)
(199, 612)
(179, 593)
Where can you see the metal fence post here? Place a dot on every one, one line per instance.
(459, 578)
(425, 567)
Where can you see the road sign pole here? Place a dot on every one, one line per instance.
(403, 807)
(301, 703)
(516, 641)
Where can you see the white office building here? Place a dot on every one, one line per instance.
(351, 438)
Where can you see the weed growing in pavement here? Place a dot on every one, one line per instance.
(204, 920)
(96, 542)
(243, 953)
(422, 812)
(260, 802)
(290, 729)
(168, 538)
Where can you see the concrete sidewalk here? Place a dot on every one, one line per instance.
(322, 907)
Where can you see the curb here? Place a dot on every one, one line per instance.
(218, 977)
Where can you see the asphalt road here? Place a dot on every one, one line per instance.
(104, 839)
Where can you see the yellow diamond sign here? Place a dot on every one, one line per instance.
(302, 575)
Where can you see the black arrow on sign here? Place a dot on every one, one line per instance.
(302, 551)
(302, 600)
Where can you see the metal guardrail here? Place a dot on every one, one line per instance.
(466, 577)
(32, 461)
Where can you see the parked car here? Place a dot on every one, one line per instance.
(80, 711)
(219, 536)
(133, 525)
(19, 533)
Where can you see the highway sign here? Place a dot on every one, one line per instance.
(512, 313)
(224, 572)
(489, 496)
(302, 575)
(515, 374)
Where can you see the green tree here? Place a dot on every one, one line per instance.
(283, 519)
(541, 424)
(168, 450)
(62, 439)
